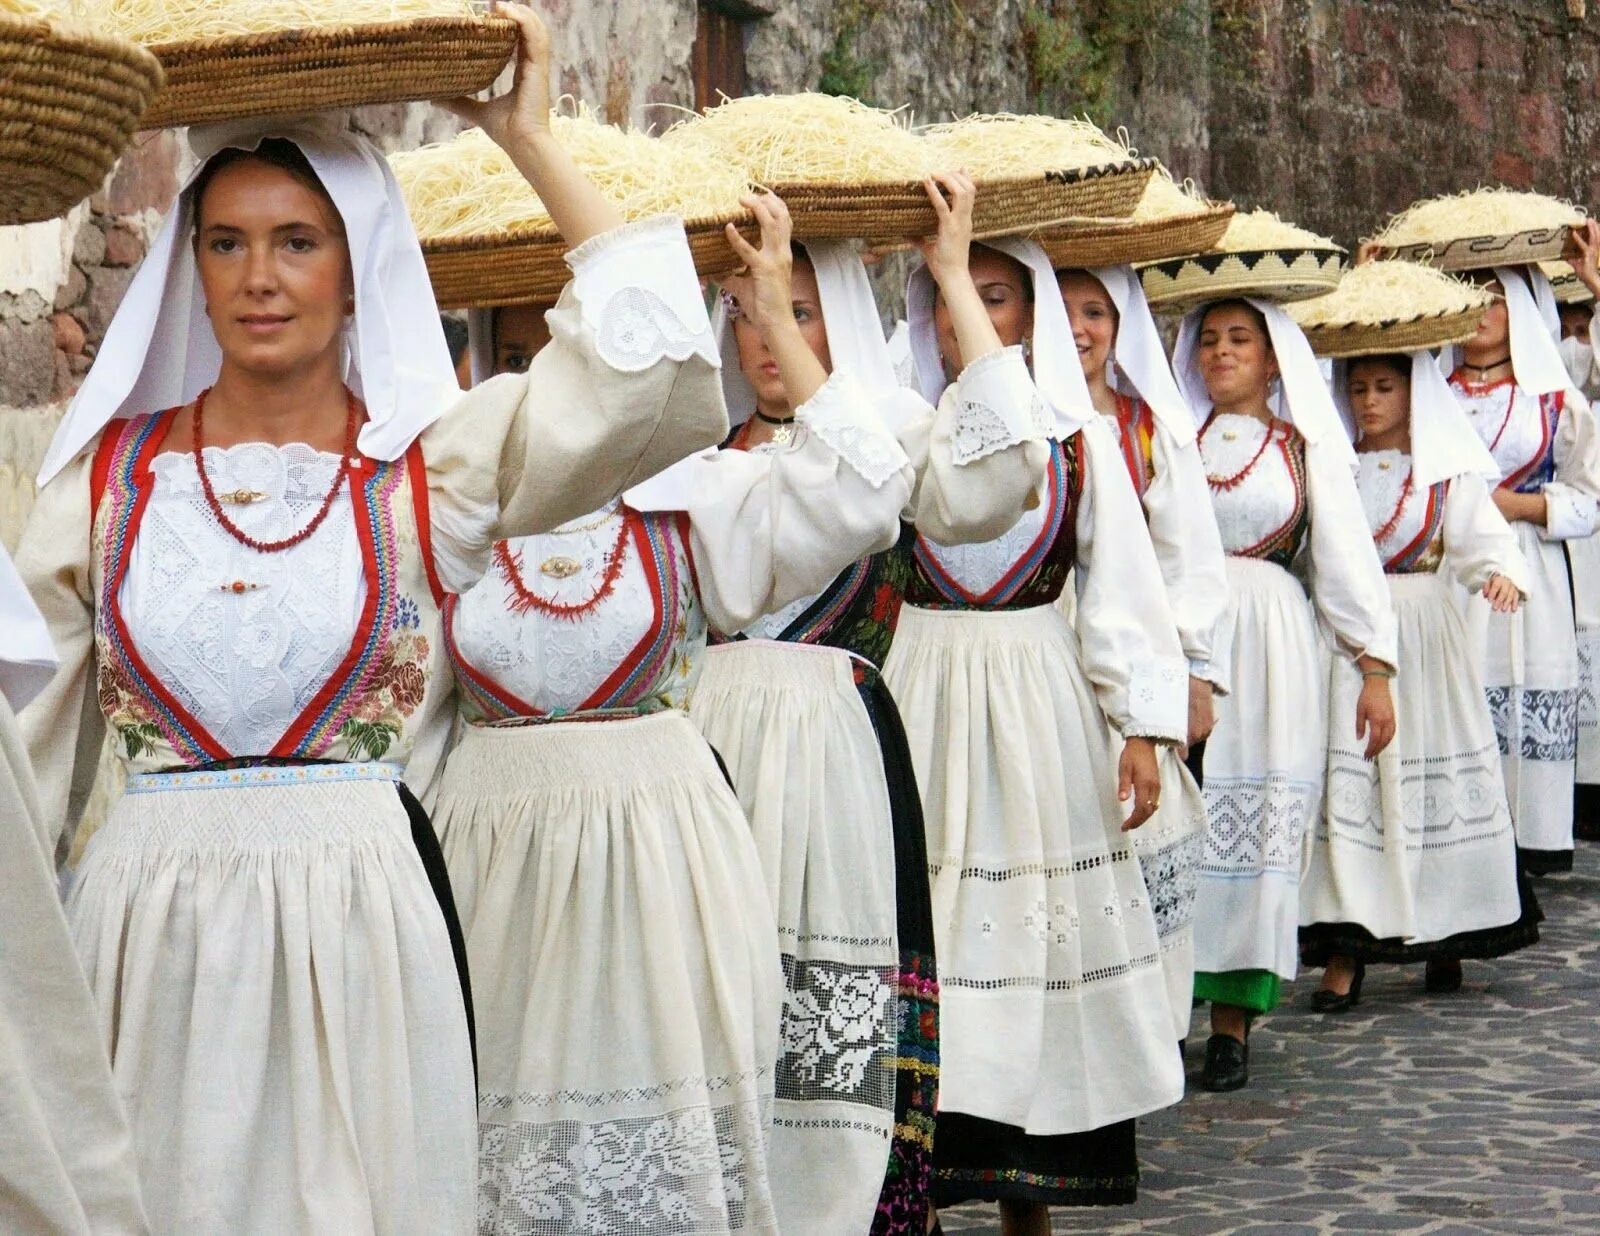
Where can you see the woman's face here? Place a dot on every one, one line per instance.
(1094, 318)
(756, 362)
(274, 268)
(1494, 332)
(1235, 353)
(1380, 398)
(1002, 284)
(520, 331)
(1575, 321)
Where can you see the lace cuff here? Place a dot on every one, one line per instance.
(1158, 700)
(1568, 513)
(837, 414)
(637, 291)
(997, 406)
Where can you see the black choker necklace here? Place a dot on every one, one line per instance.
(1483, 369)
(782, 433)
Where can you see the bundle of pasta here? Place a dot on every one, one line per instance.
(1482, 228)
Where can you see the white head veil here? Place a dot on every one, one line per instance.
(1140, 359)
(480, 343)
(1306, 402)
(1057, 372)
(27, 657)
(1443, 442)
(856, 345)
(160, 351)
(1534, 323)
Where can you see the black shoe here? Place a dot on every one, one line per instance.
(1227, 1064)
(1442, 974)
(1325, 1001)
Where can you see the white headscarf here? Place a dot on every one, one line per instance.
(480, 343)
(856, 346)
(160, 351)
(1443, 442)
(1534, 323)
(1057, 371)
(1305, 402)
(1139, 358)
(27, 657)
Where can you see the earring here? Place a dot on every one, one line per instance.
(350, 307)
(1027, 349)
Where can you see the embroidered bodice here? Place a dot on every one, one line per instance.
(1258, 486)
(1518, 428)
(1134, 428)
(634, 645)
(1025, 567)
(1411, 519)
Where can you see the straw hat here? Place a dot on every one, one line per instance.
(1564, 282)
(69, 105)
(1169, 221)
(489, 241)
(1259, 256)
(1391, 306)
(1482, 229)
(227, 59)
(848, 170)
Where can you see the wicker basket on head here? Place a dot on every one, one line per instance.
(289, 72)
(1480, 229)
(1385, 307)
(1564, 281)
(69, 102)
(1167, 223)
(1258, 256)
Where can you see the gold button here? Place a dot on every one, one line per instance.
(1229, 435)
(1384, 465)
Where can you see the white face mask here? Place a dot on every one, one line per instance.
(1579, 359)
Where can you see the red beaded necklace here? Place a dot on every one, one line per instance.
(510, 565)
(232, 529)
(1225, 483)
(1382, 534)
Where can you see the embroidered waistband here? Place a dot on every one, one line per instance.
(247, 778)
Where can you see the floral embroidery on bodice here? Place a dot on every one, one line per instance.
(1518, 428)
(246, 663)
(637, 647)
(1024, 567)
(1413, 540)
(1134, 428)
(1261, 505)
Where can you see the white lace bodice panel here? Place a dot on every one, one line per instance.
(1381, 477)
(1508, 419)
(245, 664)
(978, 568)
(559, 663)
(1265, 499)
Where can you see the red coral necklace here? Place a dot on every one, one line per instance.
(510, 565)
(1225, 483)
(1383, 533)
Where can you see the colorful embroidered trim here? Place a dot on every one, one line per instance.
(249, 778)
(1403, 562)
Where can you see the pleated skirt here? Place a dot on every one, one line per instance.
(626, 979)
(276, 986)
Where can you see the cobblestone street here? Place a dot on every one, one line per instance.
(1477, 1112)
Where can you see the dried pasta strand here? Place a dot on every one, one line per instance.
(172, 21)
(1375, 293)
(1261, 229)
(1003, 144)
(1477, 212)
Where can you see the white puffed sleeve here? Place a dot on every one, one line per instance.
(628, 385)
(1572, 498)
(1478, 542)
(62, 726)
(1344, 575)
(1129, 640)
(982, 457)
(770, 526)
(1183, 530)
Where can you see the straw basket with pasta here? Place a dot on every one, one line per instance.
(1391, 306)
(1480, 229)
(1170, 221)
(1259, 255)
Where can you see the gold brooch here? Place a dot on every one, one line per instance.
(560, 567)
(242, 497)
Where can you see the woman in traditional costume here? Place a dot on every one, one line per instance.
(1056, 1030)
(1131, 386)
(1287, 508)
(796, 704)
(253, 579)
(1414, 857)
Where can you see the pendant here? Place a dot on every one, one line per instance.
(783, 435)
(238, 587)
(560, 567)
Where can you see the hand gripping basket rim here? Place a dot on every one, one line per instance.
(1113, 242)
(1278, 274)
(70, 104)
(291, 72)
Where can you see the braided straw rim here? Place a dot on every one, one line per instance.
(1400, 335)
(68, 106)
(290, 72)
(1113, 242)
(1564, 282)
(1281, 275)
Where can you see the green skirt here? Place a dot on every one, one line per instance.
(1256, 990)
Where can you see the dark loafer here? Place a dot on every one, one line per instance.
(1324, 1001)
(1442, 974)
(1227, 1064)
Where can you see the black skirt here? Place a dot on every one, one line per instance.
(907, 1185)
(983, 1161)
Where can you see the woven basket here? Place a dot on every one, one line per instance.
(69, 102)
(1005, 206)
(474, 272)
(1280, 275)
(289, 72)
(1569, 289)
(1400, 335)
(1480, 252)
(1112, 242)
